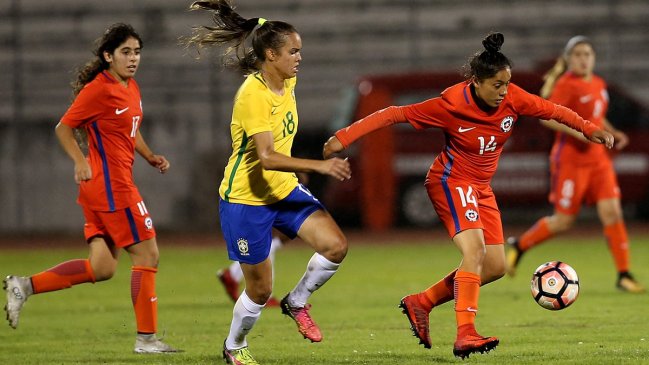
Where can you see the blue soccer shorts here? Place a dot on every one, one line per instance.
(247, 229)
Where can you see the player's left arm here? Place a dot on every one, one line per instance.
(558, 127)
(621, 138)
(536, 106)
(273, 160)
(157, 161)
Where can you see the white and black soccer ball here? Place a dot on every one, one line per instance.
(555, 285)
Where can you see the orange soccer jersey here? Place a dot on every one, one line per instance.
(581, 171)
(589, 99)
(111, 115)
(460, 175)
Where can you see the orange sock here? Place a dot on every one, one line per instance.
(618, 243)
(63, 276)
(467, 291)
(440, 293)
(538, 233)
(144, 299)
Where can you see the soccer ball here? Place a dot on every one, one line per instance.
(555, 285)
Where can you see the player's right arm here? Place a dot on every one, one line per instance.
(421, 115)
(273, 160)
(86, 106)
(377, 120)
(65, 135)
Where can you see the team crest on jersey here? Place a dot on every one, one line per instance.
(471, 215)
(243, 246)
(148, 222)
(507, 123)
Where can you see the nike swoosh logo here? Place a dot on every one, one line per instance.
(118, 112)
(153, 299)
(462, 130)
(273, 111)
(471, 309)
(586, 98)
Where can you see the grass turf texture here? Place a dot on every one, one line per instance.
(357, 310)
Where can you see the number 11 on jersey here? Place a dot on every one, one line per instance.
(136, 119)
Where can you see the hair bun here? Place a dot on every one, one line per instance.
(493, 42)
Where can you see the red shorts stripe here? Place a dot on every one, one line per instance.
(461, 206)
(123, 227)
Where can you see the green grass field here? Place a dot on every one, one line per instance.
(357, 311)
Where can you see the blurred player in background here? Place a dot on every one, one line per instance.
(477, 117)
(581, 172)
(260, 190)
(108, 107)
(232, 275)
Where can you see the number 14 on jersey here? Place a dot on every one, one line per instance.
(489, 146)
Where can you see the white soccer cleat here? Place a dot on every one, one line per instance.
(18, 289)
(150, 344)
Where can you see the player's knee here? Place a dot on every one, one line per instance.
(337, 248)
(611, 216)
(563, 224)
(103, 271)
(148, 258)
(475, 253)
(495, 272)
(260, 293)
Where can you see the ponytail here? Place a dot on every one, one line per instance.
(86, 74)
(550, 78)
(560, 67)
(232, 29)
(487, 63)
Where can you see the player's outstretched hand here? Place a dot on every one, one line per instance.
(603, 137)
(160, 163)
(332, 146)
(337, 168)
(621, 139)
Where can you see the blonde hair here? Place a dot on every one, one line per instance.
(550, 78)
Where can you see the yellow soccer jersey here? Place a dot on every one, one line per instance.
(257, 109)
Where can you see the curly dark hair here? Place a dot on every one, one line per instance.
(115, 35)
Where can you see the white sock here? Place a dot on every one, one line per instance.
(244, 315)
(235, 271)
(318, 271)
(275, 244)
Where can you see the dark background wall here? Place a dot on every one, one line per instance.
(187, 102)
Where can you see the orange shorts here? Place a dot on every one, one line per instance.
(461, 205)
(573, 185)
(122, 227)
